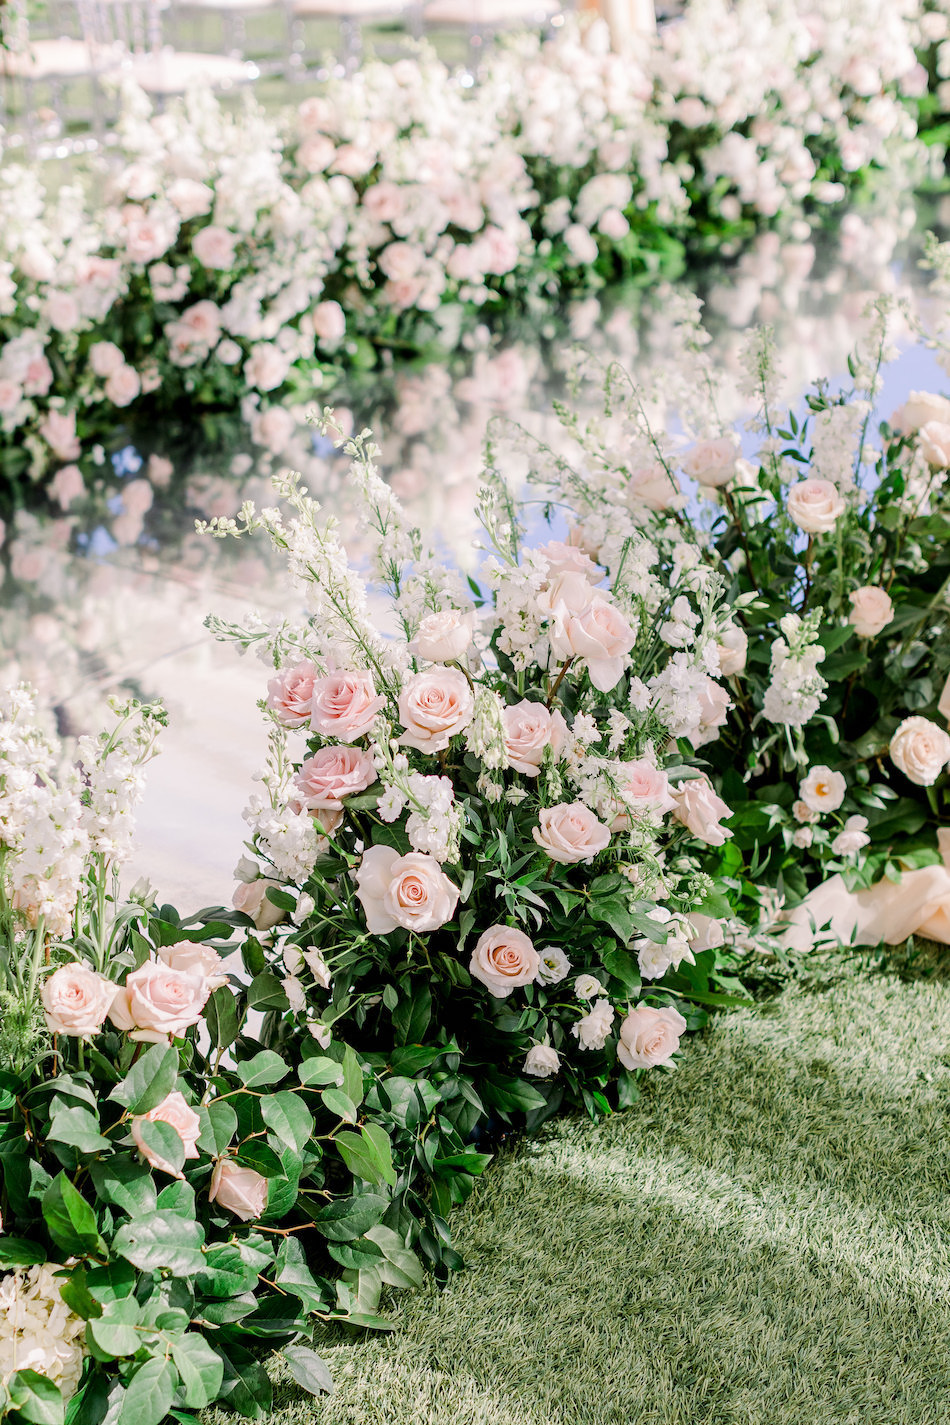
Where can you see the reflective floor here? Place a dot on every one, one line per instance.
(109, 593)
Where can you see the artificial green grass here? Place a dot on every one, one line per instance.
(763, 1240)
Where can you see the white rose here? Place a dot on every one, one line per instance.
(587, 987)
(851, 837)
(542, 1061)
(649, 1037)
(920, 408)
(733, 649)
(443, 637)
(920, 749)
(815, 506)
(593, 1030)
(712, 462)
(935, 444)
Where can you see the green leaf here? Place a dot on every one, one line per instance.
(112, 1282)
(403, 1268)
(340, 1104)
(615, 912)
(624, 967)
(289, 1118)
(265, 1068)
(246, 1385)
(200, 1367)
(150, 1079)
(352, 1076)
(220, 1015)
(412, 1015)
(295, 1276)
(165, 1143)
(309, 1370)
(218, 1126)
(149, 1394)
(35, 1398)
(78, 1128)
(321, 1071)
(161, 1241)
(225, 1272)
(177, 1196)
(266, 992)
(70, 1220)
(367, 1154)
(113, 1333)
(19, 1252)
(124, 1182)
(349, 1217)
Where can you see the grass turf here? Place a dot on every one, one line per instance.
(763, 1240)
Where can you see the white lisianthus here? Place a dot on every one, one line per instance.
(593, 1031)
(542, 1061)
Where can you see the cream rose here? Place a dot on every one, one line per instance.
(641, 787)
(174, 1111)
(503, 959)
(344, 705)
(239, 1190)
(733, 650)
(443, 637)
(196, 959)
(412, 891)
(600, 635)
(701, 811)
(76, 1001)
(568, 559)
(920, 408)
(289, 694)
(649, 1037)
(328, 322)
(712, 462)
(852, 836)
(871, 611)
(650, 485)
(935, 444)
(542, 1061)
(529, 729)
(332, 774)
(570, 832)
(706, 932)
(433, 707)
(920, 749)
(815, 505)
(157, 1003)
(823, 790)
(250, 897)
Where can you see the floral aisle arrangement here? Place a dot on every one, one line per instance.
(830, 531)
(478, 851)
(164, 1178)
(238, 259)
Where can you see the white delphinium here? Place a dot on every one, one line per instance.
(114, 778)
(485, 734)
(797, 688)
(835, 434)
(520, 619)
(434, 823)
(38, 1332)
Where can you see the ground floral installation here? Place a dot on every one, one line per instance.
(239, 258)
(165, 1176)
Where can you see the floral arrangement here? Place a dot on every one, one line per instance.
(236, 283)
(163, 1176)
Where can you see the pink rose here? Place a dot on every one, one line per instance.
(123, 386)
(733, 650)
(62, 311)
(412, 891)
(433, 707)
(266, 367)
(191, 198)
(601, 636)
(570, 832)
(568, 559)
(443, 637)
(195, 959)
(344, 705)
(11, 394)
(329, 322)
(67, 485)
(76, 1001)
(649, 1037)
(568, 592)
(316, 153)
(641, 788)
(920, 408)
(650, 485)
(174, 1111)
(105, 358)
(238, 1190)
(871, 610)
(250, 897)
(701, 811)
(332, 774)
(290, 693)
(158, 1003)
(713, 704)
(529, 729)
(920, 749)
(503, 959)
(815, 505)
(935, 444)
(712, 462)
(59, 432)
(214, 247)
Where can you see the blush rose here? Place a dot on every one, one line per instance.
(344, 705)
(528, 729)
(331, 774)
(174, 1111)
(238, 1190)
(815, 506)
(649, 1037)
(570, 832)
(76, 1001)
(701, 811)
(871, 611)
(410, 891)
(433, 707)
(503, 959)
(920, 749)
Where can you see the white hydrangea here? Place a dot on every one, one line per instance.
(38, 1332)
